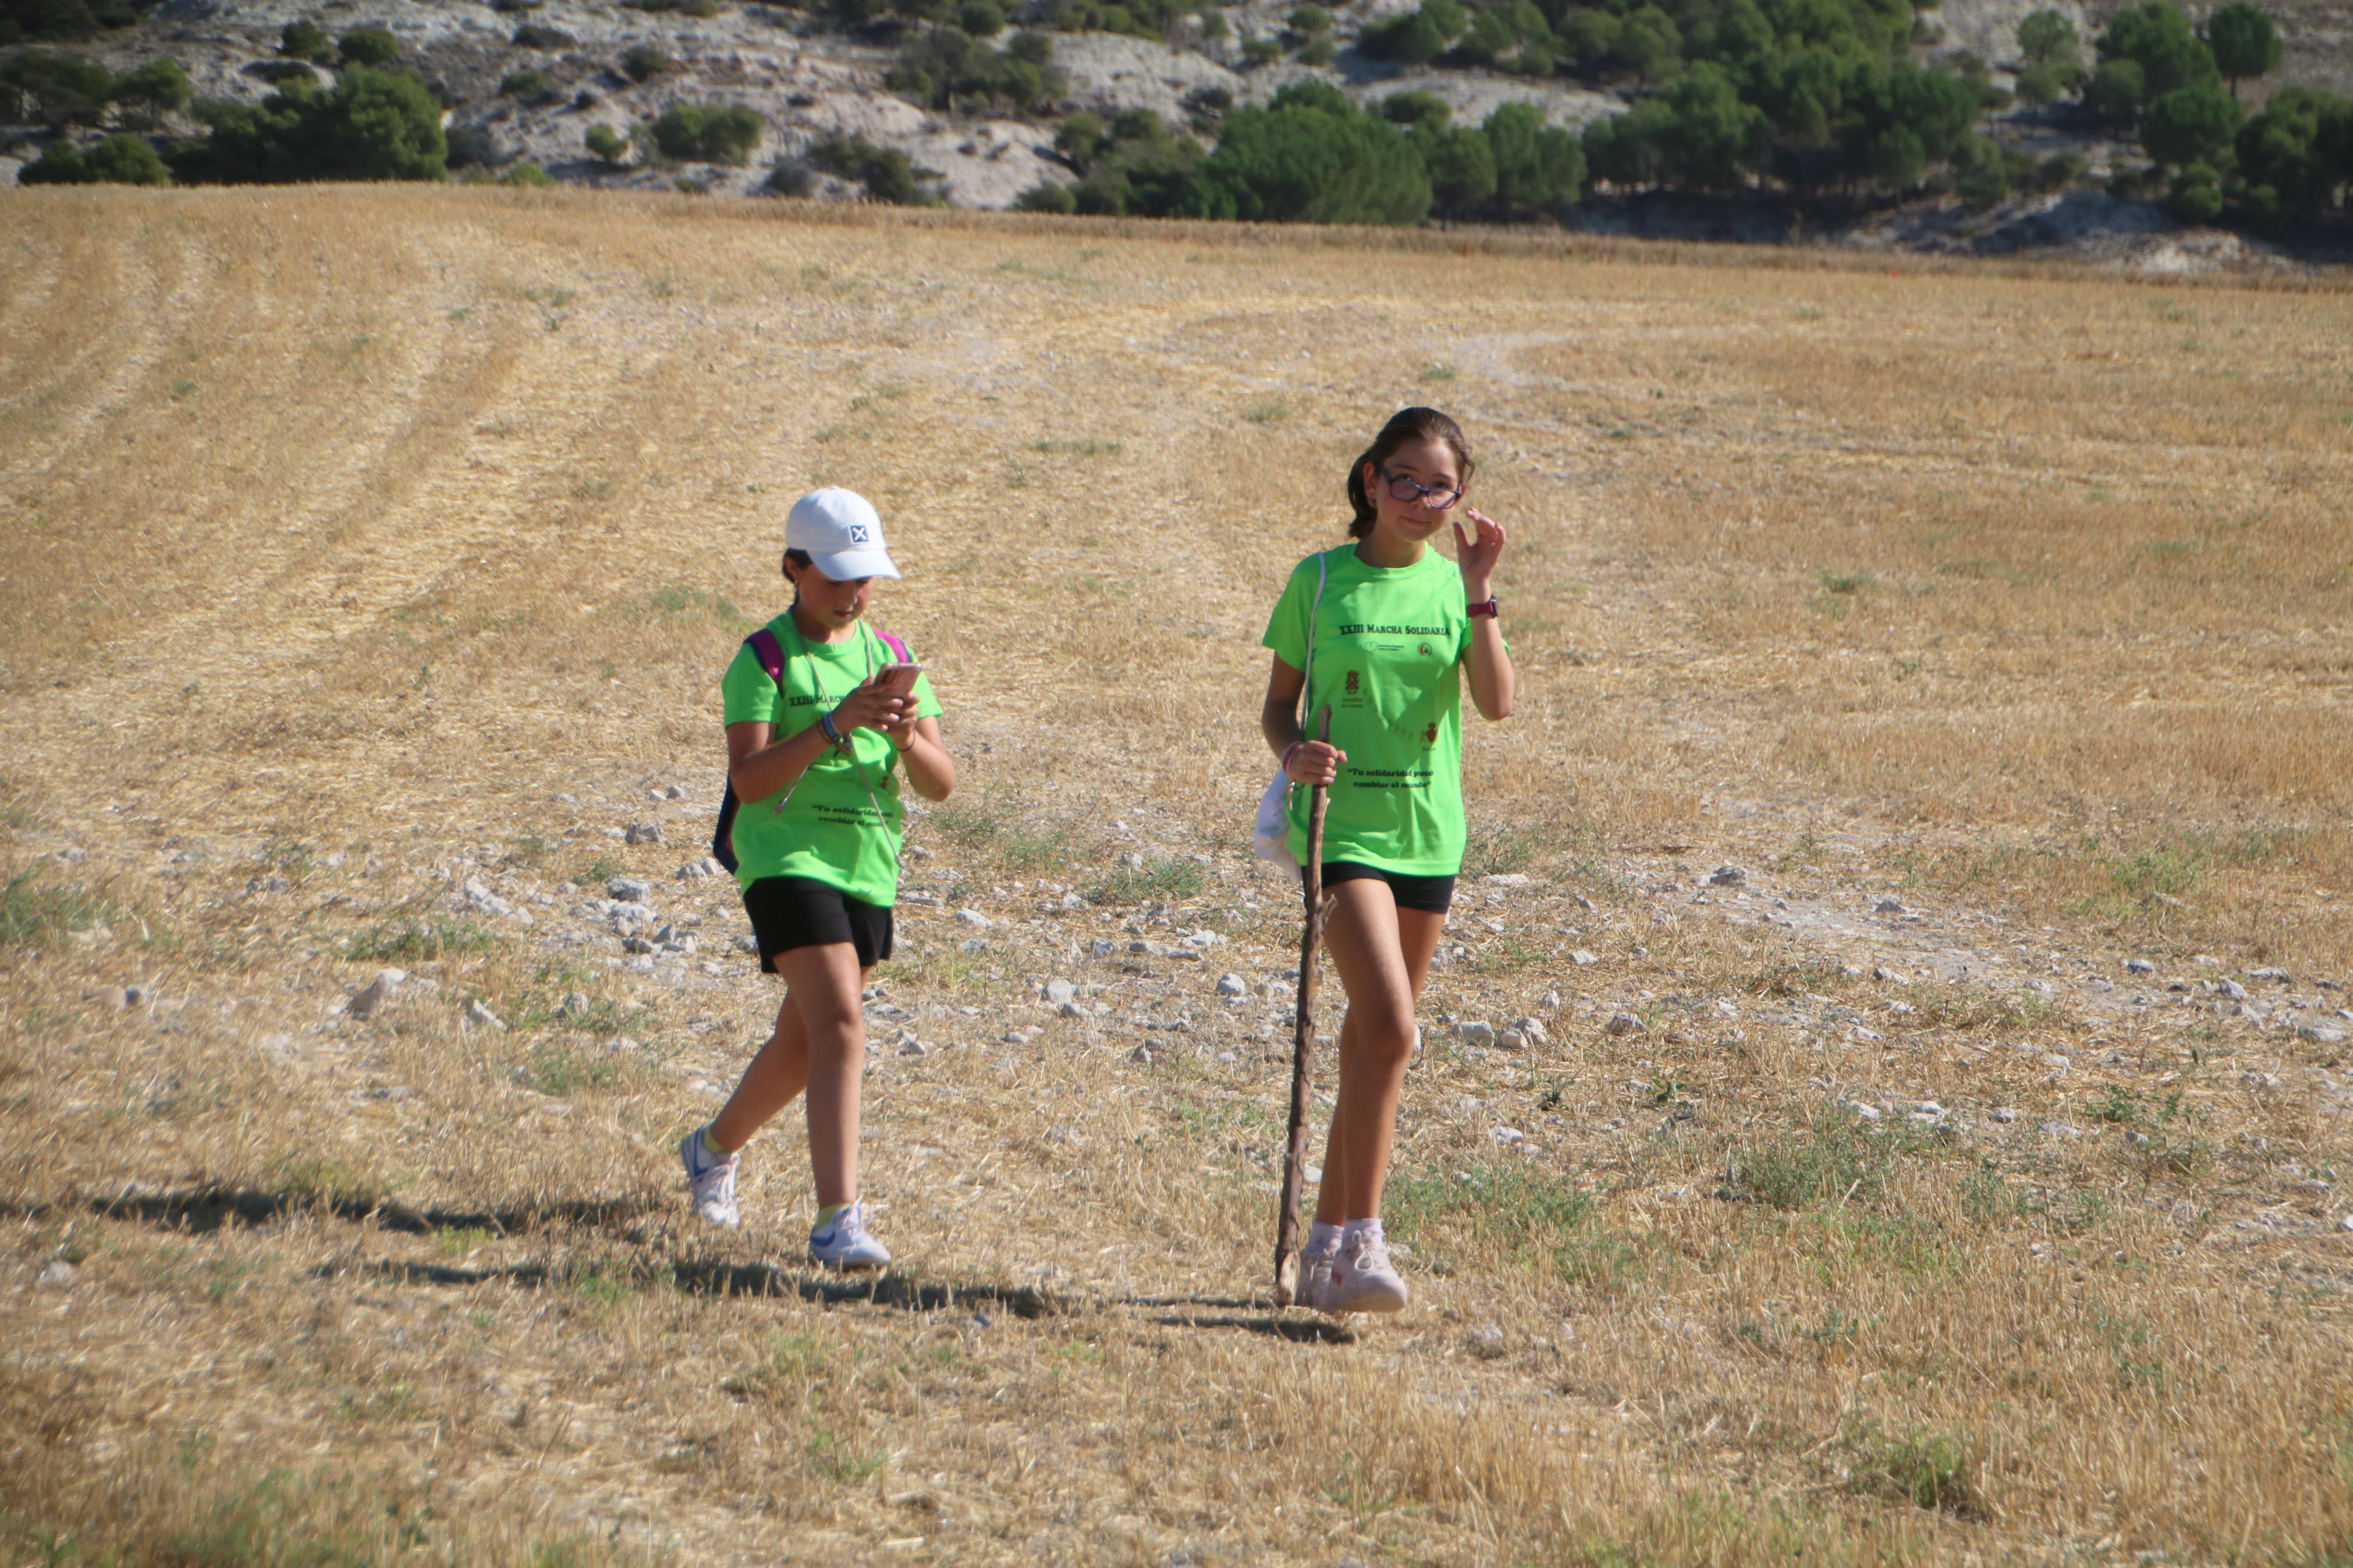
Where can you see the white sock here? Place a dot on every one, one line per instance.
(1365, 1229)
(1321, 1237)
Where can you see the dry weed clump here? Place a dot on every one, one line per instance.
(366, 548)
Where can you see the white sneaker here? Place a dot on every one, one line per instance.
(1316, 1277)
(842, 1243)
(1362, 1279)
(711, 1181)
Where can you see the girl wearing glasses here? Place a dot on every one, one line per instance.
(1384, 624)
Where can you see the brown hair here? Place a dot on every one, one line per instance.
(1405, 426)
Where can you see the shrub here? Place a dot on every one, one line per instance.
(1413, 37)
(605, 144)
(1461, 165)
(1134, 164)
(887, 175)
(120, 160)
(1311, 20)
(1424, 111)
(535, 85)
(374, 125)
(533, 35)
(981, 18)
(368, 47)
(710, 133)
(1318, 51)
(62, 20)
(527, 172)
(2048, 39)
(1046, 197)
(159, 84)
(65, 89)
(947, 67)
(2116, 89)
(1982, 174)
(643, 62)
(306, 41)
(2196, 194)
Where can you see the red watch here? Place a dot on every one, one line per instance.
(1487, 606)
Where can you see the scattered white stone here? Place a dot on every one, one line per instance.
(1505, 879)
(1868, 1037)
(1204, 938)
(2320, 1035)
(1928, 1111)
(1622, 1024)
(1059, 991)
(1583, 902)
(628, 890)
(2140, 966)
(2280, 974)
(973, 945)
(1508, 1136)
(1879, 972)
(748, 945)
(1901, 1008)
(1550, 999)
(483, 898)
(2060, 1130)
(1475, 1032)
(1141, 1054)
(2346, 1224)
(1232, 985)
(2002, 1113)
(476, 1013)
(58, 1276)
(2254, 1079)
(1867, 1111)
(371, 998)
(1100, 948)
(1888, 907)
(1511, 1039)
(1580, 957)
(973, 917)
(700, 871)
(2232, 989)
(2056, 1061)
(1726, 877)
(1071, 1010)
(1534, 1029)
(2207, 960)
(642, 833)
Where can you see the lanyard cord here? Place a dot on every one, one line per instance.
(847, 747)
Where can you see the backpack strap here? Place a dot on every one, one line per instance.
(769, 652)
(897, 646)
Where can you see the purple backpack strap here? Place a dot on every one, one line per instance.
(769, 652)
(898, 649)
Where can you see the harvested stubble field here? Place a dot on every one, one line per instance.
(363, 546)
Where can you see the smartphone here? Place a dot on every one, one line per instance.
(897, 680)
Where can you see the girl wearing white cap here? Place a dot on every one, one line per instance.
(820, 715)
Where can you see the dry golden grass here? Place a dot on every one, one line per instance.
(361, 542)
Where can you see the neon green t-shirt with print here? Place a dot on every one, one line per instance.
(825, 826)
(1389, 643)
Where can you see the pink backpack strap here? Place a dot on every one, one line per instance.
(898, 648)
(769, 652)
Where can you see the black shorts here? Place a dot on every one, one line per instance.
(797, 911)
(1431, 895)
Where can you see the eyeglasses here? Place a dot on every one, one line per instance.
(1431, 496)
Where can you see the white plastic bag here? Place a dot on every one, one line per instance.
(1270, 834)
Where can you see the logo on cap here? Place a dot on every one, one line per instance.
(857, 533)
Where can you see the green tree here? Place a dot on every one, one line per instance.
(643, 62)
(2294, 153)
(2189, 125)
(1419, 108)
(605, 144)
(120, 160)
(64, 89)
(2160, 41)
(374, 125)
(2245, 43)
(2196, 194)
(2116, 89)
(1461, 165)
(1537, 166)
(1309, 157)
(2048, 39)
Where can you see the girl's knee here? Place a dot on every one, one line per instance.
(1384, 1039)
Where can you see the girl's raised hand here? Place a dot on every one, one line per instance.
(1478, 556)
(869, 707)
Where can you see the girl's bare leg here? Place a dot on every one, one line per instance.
(819, 1044)
(1382, 954)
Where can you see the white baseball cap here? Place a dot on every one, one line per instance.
(842, 534)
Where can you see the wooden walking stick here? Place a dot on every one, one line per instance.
(1302, 1044)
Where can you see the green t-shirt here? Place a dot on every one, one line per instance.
(827, 829)
(1387, 642)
